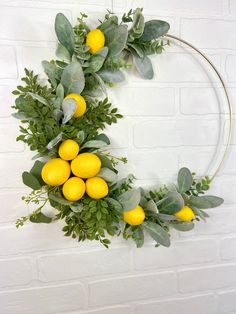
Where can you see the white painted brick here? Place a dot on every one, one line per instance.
(207, 278)
(204, 304)
(180, 253)
(12, 207)
(47, 300)
(126, 289)
(19, 271)
(119, 134)
(8, 135)
(230, 66)
(149, 133)
(232, 7)
(33, 24)
(227, 302)
(110, 310)
(144, 101)
(230, 165)
(54, 267)
(227, 186)
(202, 32)
(8, 64)
(6, 100)
(228, 248)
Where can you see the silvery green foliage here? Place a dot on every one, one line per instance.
(73, 78)
(65, 33)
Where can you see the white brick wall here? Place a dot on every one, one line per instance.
(170, 122)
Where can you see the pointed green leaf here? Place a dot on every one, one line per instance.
(205, 202)
(185, 180)
(73, 78)
(65, 33)
(107, 174)
(116, 38)
(154, 29)
(54, 141)
(36, 171)
(183, 226)
(157, 233)
(68, 107)
(40, 218)
(31, 181)
(144, 67)
(63, 54)
(171, 203)
(130, 199)
(138, 236)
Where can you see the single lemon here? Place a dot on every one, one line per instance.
(96, 188)
(68, 150)
(80, 104)
(185, 214)
(73, 189)
(95, 40)
(86, 165)
(135, 216)
(55, 172)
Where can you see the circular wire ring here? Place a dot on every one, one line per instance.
(228, 140)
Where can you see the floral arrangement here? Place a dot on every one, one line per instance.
(63, 119)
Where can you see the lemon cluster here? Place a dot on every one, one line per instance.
(77, 173)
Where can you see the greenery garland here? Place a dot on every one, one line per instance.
(62, 120)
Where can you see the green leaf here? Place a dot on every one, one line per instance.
(39, 98)
(171, 203)
(60, 92)
(185, 180)
(95, 64)
(106, 162)
(117, 206)
(40, 218)
(205, 202)
(31, 181)
(138, 25)
(94, 144)
(59, 199)
(138, 236)
(68, 107)
(154, 29)
(54, 141)
(110, 23)
(157, 233)
(116, 38)
(103, 137)
(65, 33)
(73, 78)
(130, 199)
(36, 171)
(151, 205)
(63, 54)
(137, 49)
(183, 226)
(111, 76)
(81, 136)
(53, 72)
(107, 174)
(144, 67)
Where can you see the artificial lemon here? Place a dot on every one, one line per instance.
(55, 172)
(96, 188)
(86, 165)
(185, 214)
(135, 216)
(95, 40)
(80, 104)
(73, 189)
(68, 150)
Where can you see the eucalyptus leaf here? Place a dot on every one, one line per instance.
(111, 76)
(54, 141)
(185, 180)
(183, 226)
(138, 236)
(31, 181)
(130, 199)
(144, 67)
(40, 218)
(63, 54)
(68, 107)
(171, 203)
(107, 174)
(154, 29)
(65, 33)
(205, 201)
(116, 38)
(94, 144)
(73, 78)
(157, 233)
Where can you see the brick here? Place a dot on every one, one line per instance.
(229, 66)
(149, 133)
(110, 310)
(227, 248)
(119, 134)
(8, 135)
(209, 278)
(15, 272)
(203, 30)
(53, 267)
(227, 302)
(6, 100)
(144, 101)
(131, 288)
(203, 304)
(36, 24)
(229, 164)
(8, 64)
(48, 299)
(227, 186)
(12, 207)
(179, 254)
(232, 7)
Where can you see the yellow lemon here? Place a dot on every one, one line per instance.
(68, 150)
(55, 172)
(135, 216)
(96, 188)
(86, 165)
(73, 189)
(95, 40)
(80, 104)
(185, 214)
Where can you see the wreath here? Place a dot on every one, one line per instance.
(62, 120)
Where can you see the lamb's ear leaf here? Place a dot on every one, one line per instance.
(185, 180)
(64, 32)
(154, 29)
(130, 199)
(205, 201)
(157, 233)
(73, 77)
(144, 67)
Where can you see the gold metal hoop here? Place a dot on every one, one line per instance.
(228, 140)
